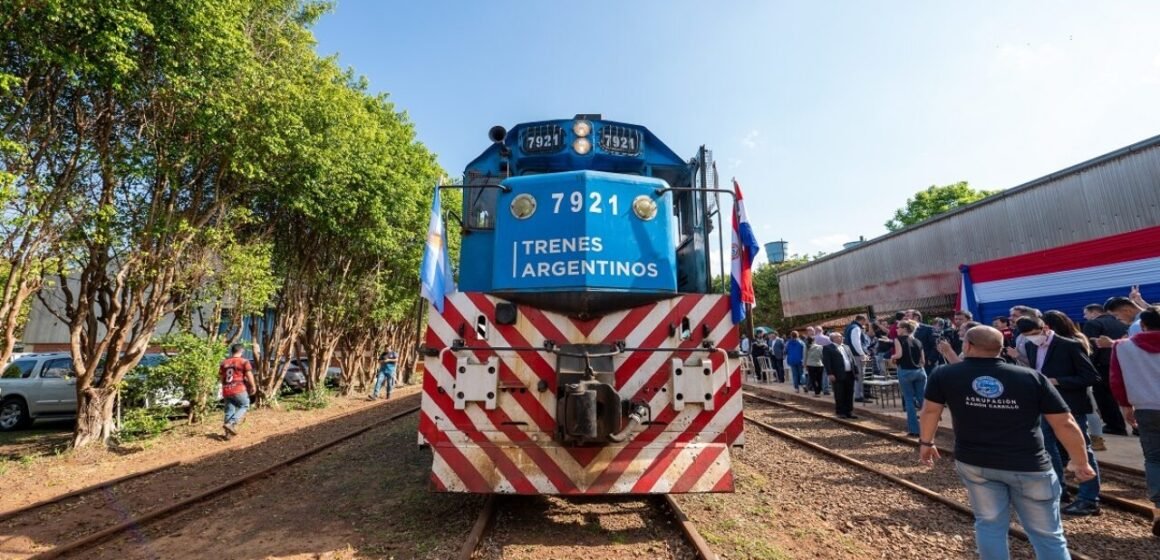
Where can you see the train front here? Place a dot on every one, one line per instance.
(582, 353)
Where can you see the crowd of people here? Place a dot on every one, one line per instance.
(835, 362)
(1031, 396)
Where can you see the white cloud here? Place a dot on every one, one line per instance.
(733, 163)
(750, 140)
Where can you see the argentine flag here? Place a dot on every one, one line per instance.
(435, 279)
(745, 249)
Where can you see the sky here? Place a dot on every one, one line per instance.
(829, 114)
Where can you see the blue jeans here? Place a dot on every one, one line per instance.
(1148, 422)
(1095, 425)
(380, 379)
(912, 384)
(796, 373)
(880, 361)
(236, 406)
(1035, 496)
(1089, 490)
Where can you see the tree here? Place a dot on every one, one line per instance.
(933, 201)
(768, 292)
(42, 127)
(173, 112)
(199, 154)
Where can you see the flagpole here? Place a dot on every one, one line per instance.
(749, 321)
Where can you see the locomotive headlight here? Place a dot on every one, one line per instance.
(581, 128)
(644, 207)
(582, 146)
(523, 206)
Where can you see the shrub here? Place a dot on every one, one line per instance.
(143, 423)
(191, 371)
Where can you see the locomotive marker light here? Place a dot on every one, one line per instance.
(523, 206)
(582, 128)
(644, 207)
(582, 146)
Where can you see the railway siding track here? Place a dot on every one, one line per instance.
(1115, 533)
(1136, 485)
(136, 516)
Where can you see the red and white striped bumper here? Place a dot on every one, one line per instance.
(501, 440)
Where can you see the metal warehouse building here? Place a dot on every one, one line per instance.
(918, 267)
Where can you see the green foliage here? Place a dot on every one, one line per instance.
(768, 292)
(201, 153)
(138, 424)
(933, 201)
(190, 373)
(312, 399)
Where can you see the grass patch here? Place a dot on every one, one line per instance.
(308, 400)
(143, 424)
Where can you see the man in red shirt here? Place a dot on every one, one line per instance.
(237, 377)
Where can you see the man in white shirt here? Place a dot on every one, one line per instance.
(855, 343)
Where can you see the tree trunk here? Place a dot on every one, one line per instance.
(95, 422)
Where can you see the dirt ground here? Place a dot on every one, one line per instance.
(365, 498)
(538, 527)
(369, 497)
(33, 466)
(792, 503)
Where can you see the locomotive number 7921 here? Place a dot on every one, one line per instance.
(576, 203)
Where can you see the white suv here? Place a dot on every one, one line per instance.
(37, 386)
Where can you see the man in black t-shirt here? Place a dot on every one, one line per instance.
(996, 409)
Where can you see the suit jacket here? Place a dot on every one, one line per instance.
(835, 365)
(924, 334)
(1104, 325)
(1068, 364)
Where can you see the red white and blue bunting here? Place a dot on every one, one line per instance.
(1065, 278)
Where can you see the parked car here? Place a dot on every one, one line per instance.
(43, 385)
(295, 377)
(37, 385)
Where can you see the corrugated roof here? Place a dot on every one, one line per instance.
(1114, 193)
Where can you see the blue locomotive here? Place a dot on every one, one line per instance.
(583, 353)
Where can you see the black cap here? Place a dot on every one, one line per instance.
(1117, 302)
(1027, 324)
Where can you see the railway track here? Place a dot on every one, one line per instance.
(108, 485)
(143, 516)
(1109, 534)
(664, 506)
(1128, 482)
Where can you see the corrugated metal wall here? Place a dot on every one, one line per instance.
(918, 266)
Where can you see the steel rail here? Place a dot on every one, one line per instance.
(163, 511)
(1140, 509)
(1114, 467)
(486, 516)
(924, 491)
(5, 516)
(106, 484)
(694, 537)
